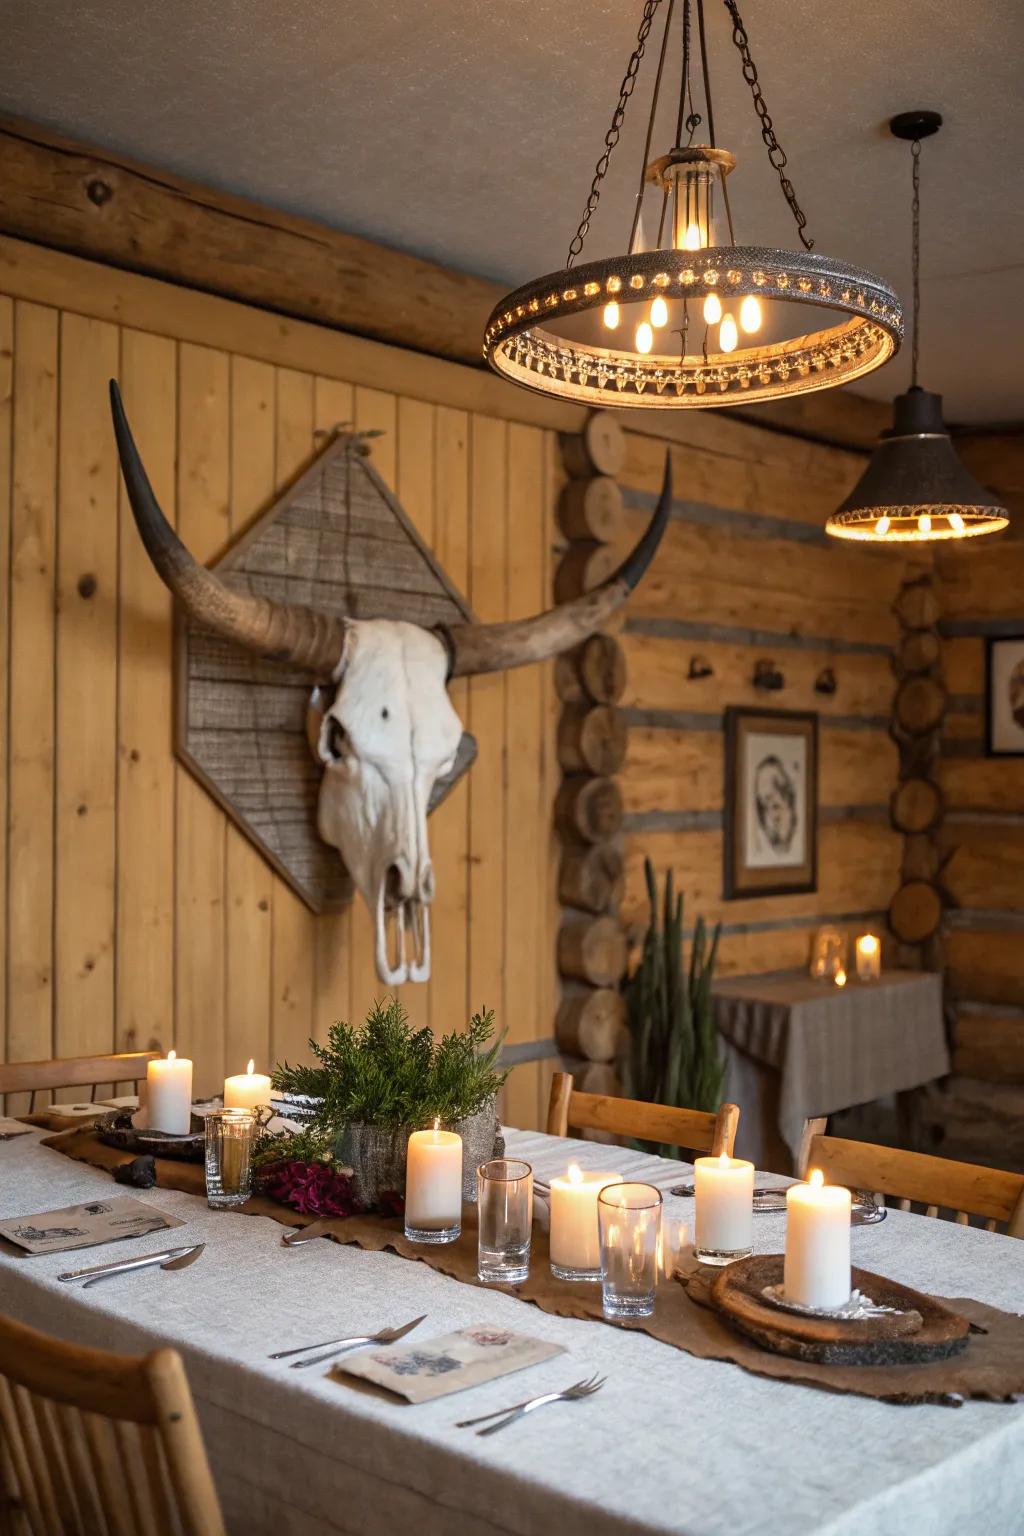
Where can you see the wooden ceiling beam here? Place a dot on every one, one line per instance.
(90, 202)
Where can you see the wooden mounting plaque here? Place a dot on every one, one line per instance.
(336, 539)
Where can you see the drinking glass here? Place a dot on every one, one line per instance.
(505, 1217)
(229, 1140)
(629, 1219)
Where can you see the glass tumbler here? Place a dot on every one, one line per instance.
(230, 1134)
(505, 1217)
(629, 1220)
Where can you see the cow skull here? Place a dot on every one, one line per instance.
(390, 731)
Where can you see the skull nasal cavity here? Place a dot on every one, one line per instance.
(397, 884)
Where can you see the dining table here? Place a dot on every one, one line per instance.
(671, 1444)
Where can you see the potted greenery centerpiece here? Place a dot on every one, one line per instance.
(368, 1088)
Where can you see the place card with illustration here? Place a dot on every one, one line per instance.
(11, 1128)
(85, 1226)
(451, 1363)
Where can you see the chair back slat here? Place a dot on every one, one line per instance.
(696, 1129)
(937, 1183)
(74, 1072)
(96, 1444)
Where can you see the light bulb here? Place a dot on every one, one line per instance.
(692, 240)
(750, 314)
(956, 522)
(659, 311)
(644, 337)
(924, 523)
(712, 309)
(882, 526)
(611, 315)
(727, 334)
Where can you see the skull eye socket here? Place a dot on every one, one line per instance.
(337, 740)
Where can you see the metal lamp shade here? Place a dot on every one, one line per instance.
(915, 487)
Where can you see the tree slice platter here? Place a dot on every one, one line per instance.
(929, 1331)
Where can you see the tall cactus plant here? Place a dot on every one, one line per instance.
(674, 1051)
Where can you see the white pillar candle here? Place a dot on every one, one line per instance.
(672, 1240)
(575, 1241)
(169, 1095)
(869, 957)
(817, 1267)
(840, 978)
(246, 1090)
(724, 1190)
(433, 1181)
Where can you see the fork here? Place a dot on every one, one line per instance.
(333, 1347)
(579, 1389)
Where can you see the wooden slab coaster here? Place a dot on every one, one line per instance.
(928, 1331)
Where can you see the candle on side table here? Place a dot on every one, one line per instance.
(724, 1191)
(169, 1095)
(247, 1090)
(575, 1241)
(817, 1265)
(433, 1186)
(869, 957)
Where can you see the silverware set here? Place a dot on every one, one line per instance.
(168, 1258)
(331, 1347)
(506, 1416)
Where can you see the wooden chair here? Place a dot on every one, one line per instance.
(98, 1444)
(36, 1077)
(691, 1128)
(937, 1183)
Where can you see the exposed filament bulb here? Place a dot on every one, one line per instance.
(956, 522)
(924, 523)
(750, 314)
(659, 312)
(611, 315)
(727, 334)
(692, 239)
(712, 309)
(644, 337)
(882, 526)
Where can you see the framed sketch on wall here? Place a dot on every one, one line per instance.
(1004, 696)
(771, 802)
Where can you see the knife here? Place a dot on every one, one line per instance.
(168, 1258)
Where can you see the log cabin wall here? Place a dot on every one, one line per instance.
(979, 1112)
(745, 576)
(132, 912)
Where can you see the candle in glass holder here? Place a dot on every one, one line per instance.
(169, 1095)
(817, 1264)
(869, 957)
(575, 1242)
(433, 1186)
(247, 1090)
(724, 1191)
(840, 978)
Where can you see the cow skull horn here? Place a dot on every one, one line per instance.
(285, 632)
(476, 648)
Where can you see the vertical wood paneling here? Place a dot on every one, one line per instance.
(203, 523)
(31, 755)
(249, 879)
(6, 444)
(86, 706)
(525, 842)
(146, 772)
(414, 485)
(293, 961)
(332, 408)
(375, 410)
(489, 598)
(449, 825)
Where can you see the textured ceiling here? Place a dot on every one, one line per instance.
(468, 132)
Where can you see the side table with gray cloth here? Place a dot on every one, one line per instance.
(798, 1047)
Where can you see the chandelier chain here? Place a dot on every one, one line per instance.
(611, 138)
(776, 153)
(915, 174)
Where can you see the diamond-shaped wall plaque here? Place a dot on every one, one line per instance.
(338, 540)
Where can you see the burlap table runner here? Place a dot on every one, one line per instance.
(992, 1366)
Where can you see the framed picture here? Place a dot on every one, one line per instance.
(1004, 696)
(771, 802)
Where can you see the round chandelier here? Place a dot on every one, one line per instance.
(693, 319)
(915, 489)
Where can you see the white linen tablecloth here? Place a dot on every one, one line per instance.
(671, 1445)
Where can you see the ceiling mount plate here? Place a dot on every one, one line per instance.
(915, 125)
